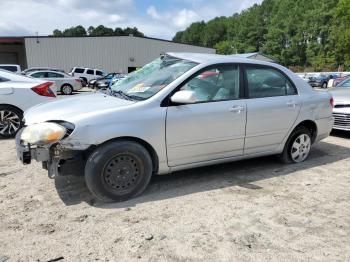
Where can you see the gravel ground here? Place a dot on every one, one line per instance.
(254, 210)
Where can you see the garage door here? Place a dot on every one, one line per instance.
(8, 58)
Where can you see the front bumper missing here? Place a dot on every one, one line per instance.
(55, 159)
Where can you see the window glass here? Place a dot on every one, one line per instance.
(9, 68)
(99, 73)
(153, 77)
(39, 75)
(79, 70)
(220, 83)
(267, 82)
(90, 72)
(55, 75)
(346, 83)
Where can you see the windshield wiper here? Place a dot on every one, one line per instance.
(122, 95)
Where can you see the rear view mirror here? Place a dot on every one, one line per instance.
(184, 97)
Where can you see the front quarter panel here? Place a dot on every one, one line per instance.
(141, 121)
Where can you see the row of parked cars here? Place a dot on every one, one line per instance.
(67, 83)
(324, 79)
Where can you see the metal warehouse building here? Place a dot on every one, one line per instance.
(110, 53)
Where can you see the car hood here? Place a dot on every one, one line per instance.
(74, 108)
(340, 95)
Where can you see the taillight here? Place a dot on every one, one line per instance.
(331, 101)
(78, 81)
(44, 89)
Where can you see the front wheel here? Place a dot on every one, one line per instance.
(298, 146)
(10, 121)
(118, 171)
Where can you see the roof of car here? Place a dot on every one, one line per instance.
(215, 58)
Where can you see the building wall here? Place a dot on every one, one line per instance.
(112, 54)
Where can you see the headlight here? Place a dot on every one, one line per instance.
(43, 133)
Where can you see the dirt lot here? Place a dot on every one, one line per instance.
(255, 210)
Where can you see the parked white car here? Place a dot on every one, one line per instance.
(65, 83)
(180, 111)
(17, 94)
(86, 74)
(34, 69)
(11, 68)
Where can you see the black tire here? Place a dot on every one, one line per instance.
(324, 85)
(286, 156)
(66, 89)
(118, 171)
(11, 120)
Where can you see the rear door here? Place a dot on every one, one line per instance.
(273, 107)
(214, 127)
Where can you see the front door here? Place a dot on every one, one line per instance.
(213, 127)
(273, 107)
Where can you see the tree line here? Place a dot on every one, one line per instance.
(100, 30)
(312, 34)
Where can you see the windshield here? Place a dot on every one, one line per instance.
(153, 77)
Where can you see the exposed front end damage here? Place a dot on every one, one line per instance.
(57, 158)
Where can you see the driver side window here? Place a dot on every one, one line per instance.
(215, 84)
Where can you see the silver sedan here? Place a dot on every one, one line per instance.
(341, 110)
(65, 83)
(180, 111)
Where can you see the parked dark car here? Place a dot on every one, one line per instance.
(104, 82)
(319, 81)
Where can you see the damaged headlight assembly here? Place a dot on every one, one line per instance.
(46, 133)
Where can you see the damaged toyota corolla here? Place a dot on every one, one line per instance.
(180, 111)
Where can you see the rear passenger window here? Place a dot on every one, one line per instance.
(90, 72)
(267, 82)
(79, 70)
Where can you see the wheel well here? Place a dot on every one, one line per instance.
(7, 105)
(311, 125)
(149, 148)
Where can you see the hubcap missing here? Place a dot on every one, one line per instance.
(122, 173)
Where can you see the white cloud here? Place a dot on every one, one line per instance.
(184, 18)
(152, 12)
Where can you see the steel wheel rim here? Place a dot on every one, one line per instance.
(10, 122)
(301, 148)
(122, 174)
(67, 90)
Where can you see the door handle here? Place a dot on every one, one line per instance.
(237, 109)
(291, 104)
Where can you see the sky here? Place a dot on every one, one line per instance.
(157, 18)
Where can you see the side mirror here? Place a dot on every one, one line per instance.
(184, 97)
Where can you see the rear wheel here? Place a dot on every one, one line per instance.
(10, 121)
(324, 85)
(67, 89)
(298, 146)
(118, 171)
